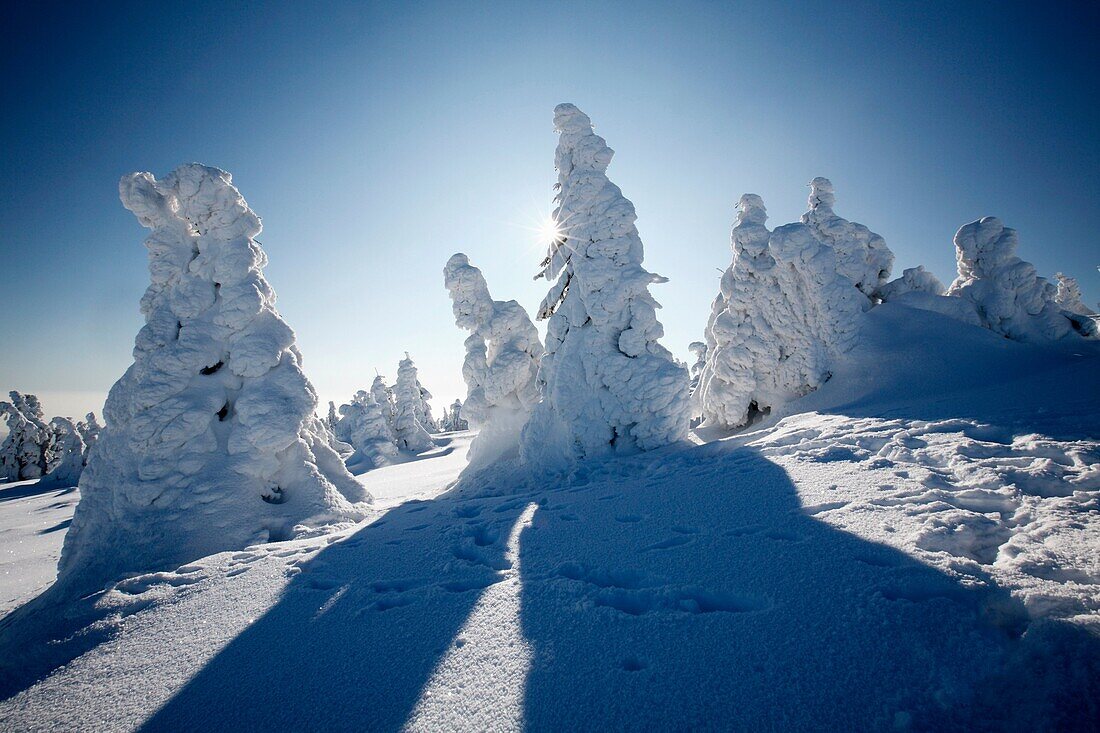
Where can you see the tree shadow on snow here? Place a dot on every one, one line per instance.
(356, 635)
(690, 591)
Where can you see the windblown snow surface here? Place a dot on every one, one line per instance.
(912, 547)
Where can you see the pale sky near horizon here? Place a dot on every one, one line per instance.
(375, 140)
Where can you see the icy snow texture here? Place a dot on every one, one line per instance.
(607, 384)
(783, 317)
(861, 255)
(501, 365)
(411, 433)
(211, 441)
(1011, 299)
(68, 452)
(23, 454)
(364, 427)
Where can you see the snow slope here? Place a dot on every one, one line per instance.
(912, 547)
(34, 516)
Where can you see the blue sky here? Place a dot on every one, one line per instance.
(377, 139)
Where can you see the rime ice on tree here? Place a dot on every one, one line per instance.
(861, 255)
(383, 395)
(411, 434)
(1010, 298)
(23, 454)
(89, 429)
(607, 384)
(501, 365)
(68, 452)
(1067, 295)
(211, 440)
(363, 426)
(912, 280)
(784, 314)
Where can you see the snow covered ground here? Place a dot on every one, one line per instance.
(33, 520)
(915, 546)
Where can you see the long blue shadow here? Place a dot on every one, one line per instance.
(690, 591)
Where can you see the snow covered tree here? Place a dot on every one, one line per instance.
(458, 421)
(68, 452)
(1010, 298)
(332, 418)
(24, 452)
(411, 434)
(784, 314)
(211, 440)
(363, 426)
(501, 365)
(912, 280)
(861, 255)
(1067, 295)
(424, 410)
(606, 383)
(383, 395)
(89, 429)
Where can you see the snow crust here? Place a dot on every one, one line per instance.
(501, 364)
(1009, 296)
(607, 385)
(211, 441)
(784, 316)
(861, 255)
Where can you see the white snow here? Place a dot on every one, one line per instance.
(607, 384)
(910, 547)
(211, 442)
(409, 410)
(501, 365)
(364, 425)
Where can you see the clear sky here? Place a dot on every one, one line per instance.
(377, 139)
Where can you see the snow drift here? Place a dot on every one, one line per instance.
(211, 442)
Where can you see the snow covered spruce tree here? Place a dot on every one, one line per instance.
(1067, 295)
(424, 410)
(501, 365)
(411, 434)
(24, 452)
(383, 395)
(861, 255)
(1010, 298)
(211, 441)
(458, 418)
(606, 383)
(783, 316)
(89, 429)
(67, 451)
(364, 427)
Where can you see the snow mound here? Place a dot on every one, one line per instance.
(783, 317)
(211, 442)
(501, 365)
(1009, 296)
(861, 255)
(607, 384)
(912, 280)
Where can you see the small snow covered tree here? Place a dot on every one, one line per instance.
(332, 418)
(912, 280)
(68, 452)
(1010, 298)
(363, 426)
(424, 410)
(24, 452)
(383, 395)
(211, 440)
(695, 374)
(1067, 295)
(501, 365)
(784, 314)
(861, 255)
(410, 432)
(89, 429)
(606, 383)
(458, 420)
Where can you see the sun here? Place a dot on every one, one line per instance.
(548, 231)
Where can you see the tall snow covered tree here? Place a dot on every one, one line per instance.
(364, 427)
(24, 454)
(606, 383)
(458, 418)
(424, 410)
(1009, 296)
(383, 395)
(784, 314)
(861, 255)
(211, 440)
(68, 452)
(89, 429)
(501, 365)
(411, 434)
